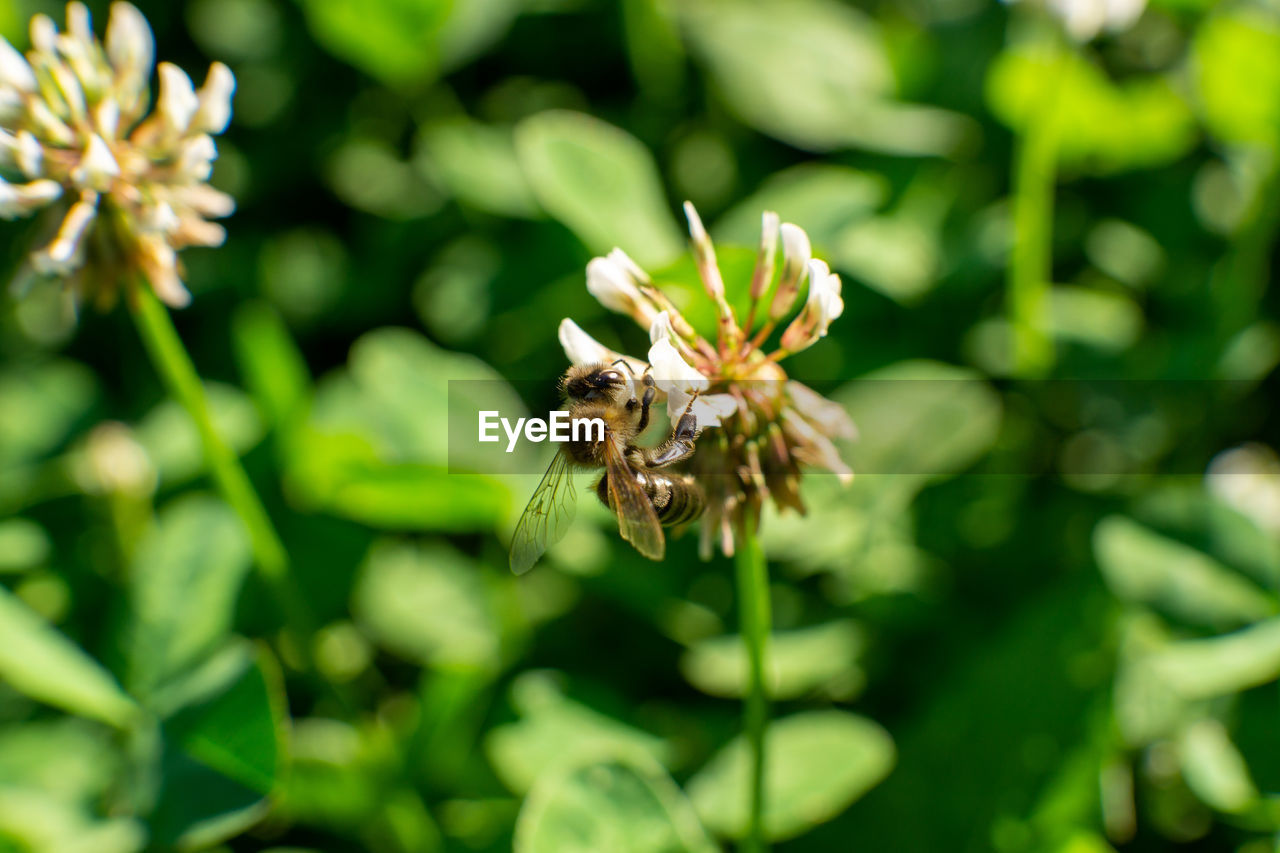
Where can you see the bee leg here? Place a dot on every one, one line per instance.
(646, 400)
(602, 491)
(680, 445)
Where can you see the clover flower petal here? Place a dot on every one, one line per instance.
(72, 123)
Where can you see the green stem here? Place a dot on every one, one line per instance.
(753, 596)
(1031, 256)
(171, 360)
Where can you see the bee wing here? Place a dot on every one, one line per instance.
(547, 517)
(637, 522)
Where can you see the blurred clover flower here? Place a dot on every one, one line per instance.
(769, 425)
(125, 189)
(1247, 478)
(1084, 20)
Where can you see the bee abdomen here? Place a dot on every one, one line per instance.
(676, 499)
(684, 499)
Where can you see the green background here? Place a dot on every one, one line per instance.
(1051, 633)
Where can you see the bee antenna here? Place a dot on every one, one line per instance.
(624, 363)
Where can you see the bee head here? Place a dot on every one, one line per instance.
(595, 382)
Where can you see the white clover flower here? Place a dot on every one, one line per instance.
(582, 349)
(615, 283)
(681, 382)
(1084, 20)
(770, 425)
(796, 253)
(1248, 479)
(822, 306)
(130, 188)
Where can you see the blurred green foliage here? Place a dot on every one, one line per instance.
(1037, 624)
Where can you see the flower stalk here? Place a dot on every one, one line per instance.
(171, 361)
(755, 617)
(1030, 271)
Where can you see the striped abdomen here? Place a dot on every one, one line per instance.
(676, 498)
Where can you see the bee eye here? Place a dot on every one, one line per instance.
(611, 376)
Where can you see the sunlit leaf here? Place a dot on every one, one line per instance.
(343, 475)
(183, 587)
(800, 661)
(338, 773)
(1214, 767)
(556, 732)
(477, 163)
(1103, 319)
(819, 197)
(816, 764)
(921, 419)
(172, 443)
(403, 42)
(275, 370)
(70, 759)
(40, 661)
(428, 605)
(612, 805)
(1236, 63)
(35, 822)
(51, 398)
(23, 545)
(601, 182)
(1142, 566)
(1106, 127)
(1220, 665)
(815, 74)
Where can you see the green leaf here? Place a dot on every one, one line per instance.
(339, 774)
(600, 182)
(800, 662)
(222, 751)
(396, 391)
(1105, 127)
(185, 580)
(274, 368)
(815, 74)
(427, 604)
(556, 732)
(816, 764)
(821, 198)
(615, 806)
(173, 444)
(69, 759)
(1105, 320)
(38, 823)
(343, 475)
(1214, 768)
(23, 545)
(38, 660)
(1236, 64)
(384, 446)
(897, 255)
(396, 41)
(1216, 666)
(920, 419)
(477, 162)
(1144, 567)
(52, 397)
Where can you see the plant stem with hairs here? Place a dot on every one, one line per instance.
(171, 360)
(754, 614)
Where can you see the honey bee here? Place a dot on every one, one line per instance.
(644, 498)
